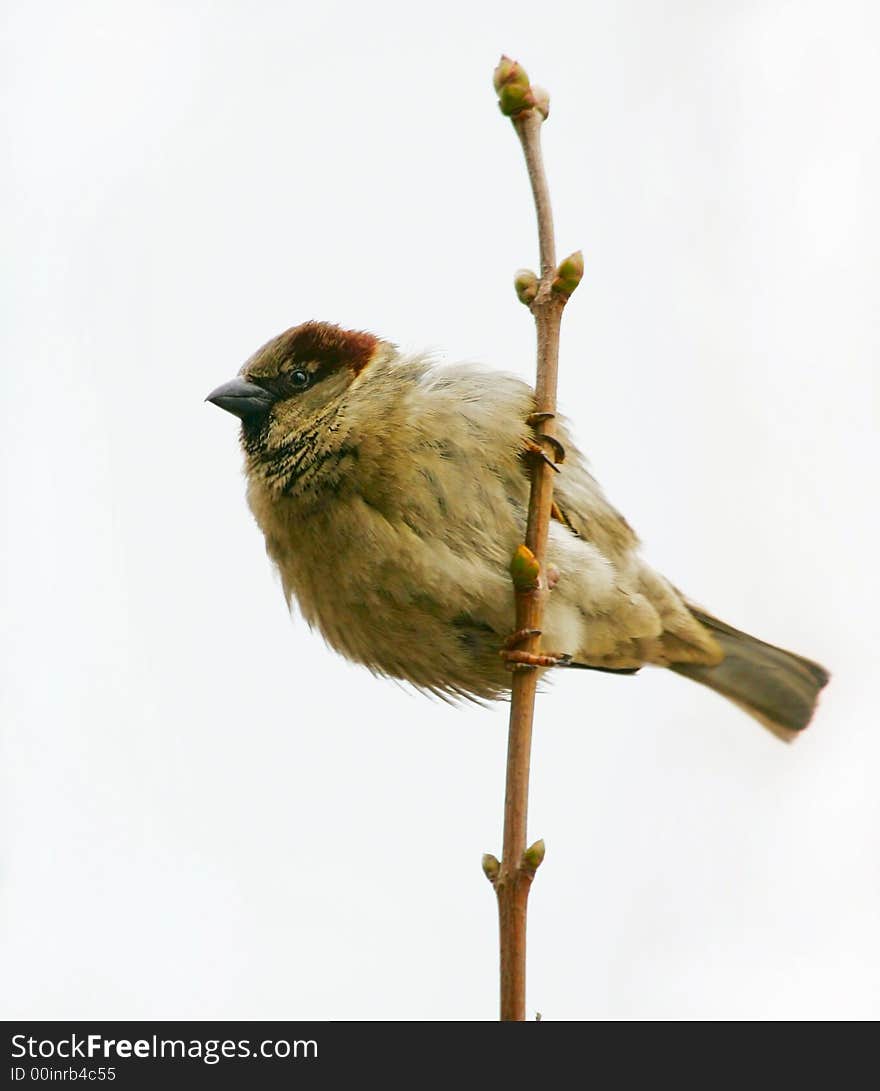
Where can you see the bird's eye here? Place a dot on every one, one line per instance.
(299, 379)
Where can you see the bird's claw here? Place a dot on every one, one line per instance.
(558, 448)
(535, 419)
(517, 660)
(534, 450)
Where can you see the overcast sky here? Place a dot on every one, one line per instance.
(207, 814)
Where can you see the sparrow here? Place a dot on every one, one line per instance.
(392, 493)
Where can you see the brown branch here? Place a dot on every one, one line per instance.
(528, 128)
(546, 298)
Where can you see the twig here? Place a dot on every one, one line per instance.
(546, 297)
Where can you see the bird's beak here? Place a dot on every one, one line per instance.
(243, 399)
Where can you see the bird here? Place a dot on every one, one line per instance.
(392, 492)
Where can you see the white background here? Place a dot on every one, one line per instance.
(208, 815)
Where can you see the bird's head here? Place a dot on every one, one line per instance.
(294, 383)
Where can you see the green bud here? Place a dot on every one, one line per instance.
(512, 84)
(569, 274)
(513, 100)
(526, 285)
(524, 569)
(534, 856)
(491, 867)
(509, 71)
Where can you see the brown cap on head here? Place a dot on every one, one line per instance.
(321, 343)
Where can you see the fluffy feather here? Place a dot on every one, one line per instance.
(392, 494)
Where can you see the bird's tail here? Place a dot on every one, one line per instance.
(780, 689)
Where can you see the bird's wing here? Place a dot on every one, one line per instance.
(580, 505)
(678, 637)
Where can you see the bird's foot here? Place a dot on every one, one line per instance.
(519, 637)
(518, 660)
(532, 448)
(535, 452)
